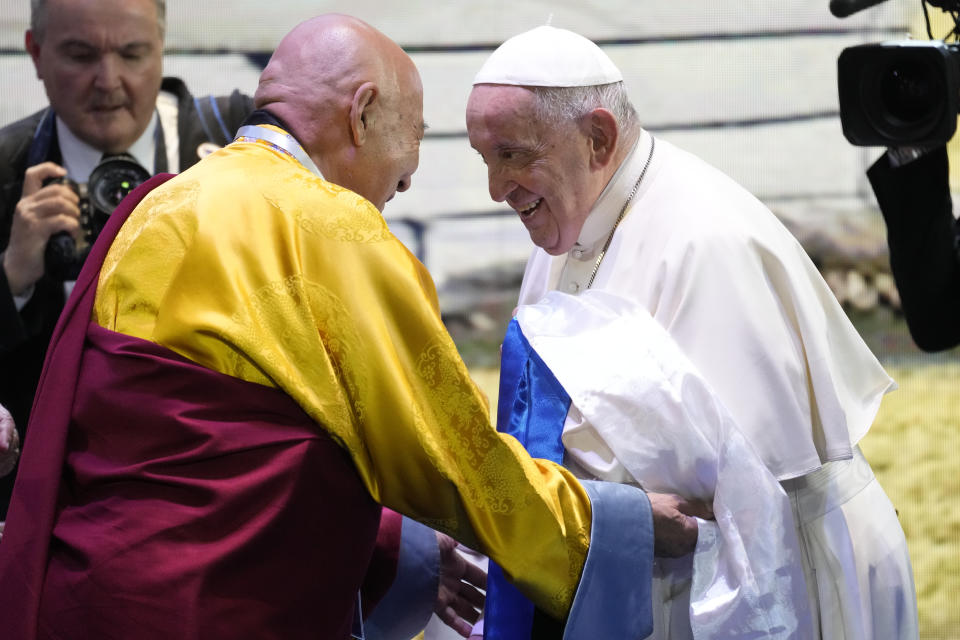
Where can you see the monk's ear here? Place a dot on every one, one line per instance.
(362, 112)
(601, 130)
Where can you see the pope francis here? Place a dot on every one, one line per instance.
(613, 208)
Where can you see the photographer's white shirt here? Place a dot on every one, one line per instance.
(80, 159)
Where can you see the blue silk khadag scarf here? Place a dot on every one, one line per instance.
(532, 407)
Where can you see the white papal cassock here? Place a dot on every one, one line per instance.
(745, 304)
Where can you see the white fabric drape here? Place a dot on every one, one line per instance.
(662, 422)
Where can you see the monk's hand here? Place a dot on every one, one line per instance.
(675, 524)
(9, 443)
(459, 599)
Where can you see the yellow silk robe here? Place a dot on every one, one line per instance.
(252, 266)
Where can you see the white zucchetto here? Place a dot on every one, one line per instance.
(548, 57)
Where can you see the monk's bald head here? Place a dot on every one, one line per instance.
(349, 94)
(324, 55)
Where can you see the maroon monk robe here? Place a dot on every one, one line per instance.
(159, 499)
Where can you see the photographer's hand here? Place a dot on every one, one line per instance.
(41, 212)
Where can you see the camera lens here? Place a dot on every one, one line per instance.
(904, 97)
(903, 93)
(909, 92)
(112, 180)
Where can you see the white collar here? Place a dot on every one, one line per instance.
(79, 158)
(596, 228)
(281, 141)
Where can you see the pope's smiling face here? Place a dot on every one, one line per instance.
(543, 170)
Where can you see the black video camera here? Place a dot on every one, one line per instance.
(899, 94)
(109, 183)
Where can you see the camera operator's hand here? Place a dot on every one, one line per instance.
(40, 213)
(674, 527)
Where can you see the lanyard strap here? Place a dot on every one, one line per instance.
(283, 142)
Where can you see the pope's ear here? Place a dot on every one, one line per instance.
(362, 110)
(600, 127)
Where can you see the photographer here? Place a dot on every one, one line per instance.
(100, 63)
(913, 191)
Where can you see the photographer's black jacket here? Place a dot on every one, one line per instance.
(24, 335)
(923, 238)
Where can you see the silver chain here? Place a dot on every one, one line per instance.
(633, 192)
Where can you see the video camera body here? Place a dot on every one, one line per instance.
(904, 93)
(109, 183)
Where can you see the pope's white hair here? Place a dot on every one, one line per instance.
(562, 104)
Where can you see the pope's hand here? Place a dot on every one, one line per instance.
(459, 599)
(674, 524)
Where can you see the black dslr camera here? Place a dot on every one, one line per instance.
(109, 183)
(904, 93)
